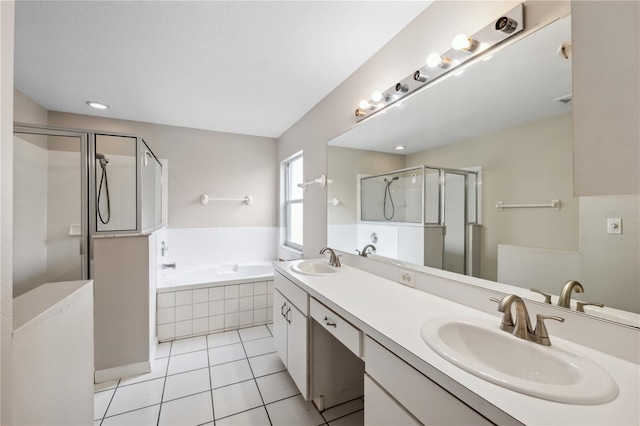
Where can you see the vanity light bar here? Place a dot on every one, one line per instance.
(506, 26)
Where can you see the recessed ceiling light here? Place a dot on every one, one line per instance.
(97, 105)
(399, 147)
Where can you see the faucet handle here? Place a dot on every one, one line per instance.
(547, 296)
(580, 305)
(541, 328)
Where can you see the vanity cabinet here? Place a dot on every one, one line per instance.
(290, 330)
(397, 386)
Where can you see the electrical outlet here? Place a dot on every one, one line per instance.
(614, 225)
(407, 278)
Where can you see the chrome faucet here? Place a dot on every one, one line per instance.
(333, 260)
(565, 295)
(365, 252)
(521, 327)
(169, 265)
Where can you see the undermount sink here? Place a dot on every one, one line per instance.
(316, 267)
(548, 372)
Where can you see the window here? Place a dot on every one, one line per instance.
(293, 198)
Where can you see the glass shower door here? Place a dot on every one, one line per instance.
(50, 195)
(455, 221)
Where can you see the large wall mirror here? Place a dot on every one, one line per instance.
(500, 131)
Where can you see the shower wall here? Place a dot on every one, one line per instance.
(46, 212)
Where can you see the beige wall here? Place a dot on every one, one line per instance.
(344, 165)
(221, 165)
(7, 9)
(606, 101)
(406, 52)
(525, 164)
(26, 110)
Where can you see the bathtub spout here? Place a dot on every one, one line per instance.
(169, 265)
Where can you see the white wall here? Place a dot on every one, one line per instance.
(406, 52)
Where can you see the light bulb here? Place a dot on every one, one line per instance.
(377, 96)
(364, 104)
(435, 60)
(464, 42)
(97, 105)
(399, 147)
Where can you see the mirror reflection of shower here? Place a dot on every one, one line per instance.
(387, 190)
(104, 183)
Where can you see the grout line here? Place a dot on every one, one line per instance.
(110, 401)
(343, 416)
(213, 409)
(164, 384)
(256, 383)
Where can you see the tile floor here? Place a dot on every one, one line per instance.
(230, 378)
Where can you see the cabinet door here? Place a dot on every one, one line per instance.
(298, 349)
(280, 325)
(381, 409)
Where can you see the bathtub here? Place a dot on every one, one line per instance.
(197, 300)
(192, 277)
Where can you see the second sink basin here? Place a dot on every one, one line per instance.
(548, 372)
(316, 267)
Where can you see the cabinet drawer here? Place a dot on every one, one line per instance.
(297, 296)
(347, 334)
(424, 399)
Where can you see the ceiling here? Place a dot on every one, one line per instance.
(246, 67)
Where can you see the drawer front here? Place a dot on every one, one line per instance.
(295, 294)
(347, 334)
(424, 399)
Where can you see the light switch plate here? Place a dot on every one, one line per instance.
(614, 225)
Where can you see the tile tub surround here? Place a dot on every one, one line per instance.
(219, 246)
(186, 313)
(233, 377)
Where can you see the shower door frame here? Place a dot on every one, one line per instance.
(85, 237)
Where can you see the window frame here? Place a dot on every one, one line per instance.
(289, 202)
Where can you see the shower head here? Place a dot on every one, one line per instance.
(103, 160)
(392, 179)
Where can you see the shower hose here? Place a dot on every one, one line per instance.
(104, 180)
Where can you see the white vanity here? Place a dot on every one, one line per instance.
(375, 324)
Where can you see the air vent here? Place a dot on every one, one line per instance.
(566, 99)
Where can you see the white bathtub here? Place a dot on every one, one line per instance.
(193, 277)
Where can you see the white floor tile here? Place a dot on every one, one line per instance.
(144, 417)
(294, 411)
(184, 384)
(230, 373)
(187, 362)
(191, 410)
(222, 339)
(99, 387)
(133, 397)
(159, 369)
(101, 401)
(227, 353)
(355, 419)
(266, 364)
(277, 386)
(259, 347)
(164, 349)
(236, 398)
(192, 344)
(257, 416)
(343, 409)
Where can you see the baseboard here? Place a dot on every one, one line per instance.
(122, 371)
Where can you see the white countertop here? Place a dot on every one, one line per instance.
(393, 314)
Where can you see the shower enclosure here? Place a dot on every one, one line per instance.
(71, 185)
(429, 214)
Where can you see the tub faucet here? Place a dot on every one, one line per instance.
(333, 260)
(169, 265)
(521, 327)
(365, 252)
(565, 295)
